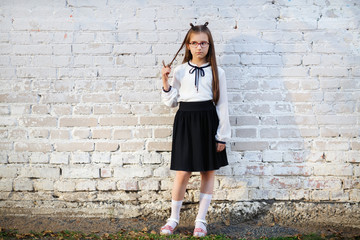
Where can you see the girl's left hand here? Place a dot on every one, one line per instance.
(220, 147)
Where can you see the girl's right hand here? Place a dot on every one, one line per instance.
(165, 71)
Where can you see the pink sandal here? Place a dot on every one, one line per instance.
(167, 229)
(199, 232)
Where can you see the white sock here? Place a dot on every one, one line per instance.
(204, 204)
(175, 214)
(175, 209)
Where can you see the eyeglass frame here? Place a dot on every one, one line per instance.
(191, 44)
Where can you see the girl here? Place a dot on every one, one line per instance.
(201, 125)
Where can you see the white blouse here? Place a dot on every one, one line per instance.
(185, 88)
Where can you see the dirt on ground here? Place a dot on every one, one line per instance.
(253, 229)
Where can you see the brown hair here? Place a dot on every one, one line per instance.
(210, 57)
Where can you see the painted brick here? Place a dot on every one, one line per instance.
(85, 97)
(80, 172)
(85, 185)
(23, 184)
(130, 172)
(75, 146)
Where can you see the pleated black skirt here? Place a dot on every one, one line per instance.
(194, 145)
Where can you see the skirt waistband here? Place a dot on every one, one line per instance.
(197, 106)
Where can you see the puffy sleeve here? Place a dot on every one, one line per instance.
(223, 133)
(169, 98)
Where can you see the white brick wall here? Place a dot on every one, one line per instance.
(80, 103)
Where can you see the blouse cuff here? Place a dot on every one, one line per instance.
(220, 142)
(167, 90)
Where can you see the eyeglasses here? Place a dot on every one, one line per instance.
(202, 44)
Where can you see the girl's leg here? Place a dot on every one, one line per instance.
(180, 182)
(206, 191)
(178, 192)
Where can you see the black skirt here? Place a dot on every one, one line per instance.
(194, 144)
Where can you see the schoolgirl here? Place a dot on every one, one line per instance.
(201, 125)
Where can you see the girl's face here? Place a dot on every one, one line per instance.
(198, 45)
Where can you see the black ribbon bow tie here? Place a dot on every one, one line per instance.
(199, 71)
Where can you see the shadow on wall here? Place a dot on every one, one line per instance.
(293, 104)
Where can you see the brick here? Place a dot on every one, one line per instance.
(144, 97)
(159, 146)
(130, 172)
(249, 146)
(118, 121)
(333, 170)
(128, 185)
(244, 120)
(43, 185)
(6, 185)
(354, 156)
(38, 133)
(355, 195)
(106, 146)
(100, 98)
(81, 133)
(320, 195)
(355, 145)
(59, 158)
(162, 172)
(294, 156)
(167, 184)
(294, 170)
(131, 146)
(78, 122)
(299, 194)
(80, 172)
(64, 186)
(332, 145)
(74, 146)
(40, 172)
(81, 110)
(253, 156)
(142, 133)
(100, 157)
(123, 134)
(77, 158)
(23, 184)
(269, 133)
(8, 171)
(149, 185)
(6, 146)
(32, 147)
(17, 134)
(59, 134)
(105, 172)
(99, 110)
(339, 196)
(105, 185)
(156, 120)
(92, 48)
(85, 185)
(124, 158)
(245, 133)
(38, 122)
(162, 132)
(281, 183)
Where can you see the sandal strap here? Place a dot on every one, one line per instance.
(203, 221)
(200, 230)
(174, 220)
